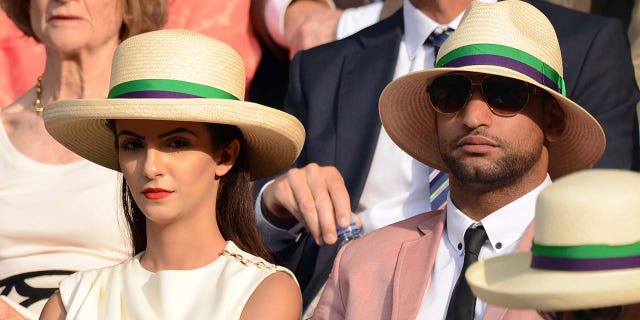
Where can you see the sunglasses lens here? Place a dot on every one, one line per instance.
(505, 95)
(449, 93)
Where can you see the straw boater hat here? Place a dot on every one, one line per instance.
(176, 75)
(586, 251)
(508, 38)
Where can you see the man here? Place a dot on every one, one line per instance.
(349, 164)
(494, 116)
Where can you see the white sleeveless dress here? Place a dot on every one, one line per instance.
(218, 290)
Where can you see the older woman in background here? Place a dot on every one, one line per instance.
(59, 211)
(227, 21)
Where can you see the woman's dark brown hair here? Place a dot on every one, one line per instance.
(234, 205)
(139, 16)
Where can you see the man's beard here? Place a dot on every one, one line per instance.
(503, 171)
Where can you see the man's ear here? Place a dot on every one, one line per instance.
(554, 120)
(226, 157)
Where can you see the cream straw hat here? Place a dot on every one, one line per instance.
(176, 75)
(508, 38)
(586, 251)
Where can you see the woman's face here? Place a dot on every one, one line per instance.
(72, 25)
(171, 167)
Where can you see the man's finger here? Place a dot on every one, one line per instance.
(323, 202)
(339, 196)
(306, 211)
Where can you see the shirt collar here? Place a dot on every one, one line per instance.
(417, 26)
(504, 226)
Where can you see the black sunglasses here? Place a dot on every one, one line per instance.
(449, 93)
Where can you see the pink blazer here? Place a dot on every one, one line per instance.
(384, 275)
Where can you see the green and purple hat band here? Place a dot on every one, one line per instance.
(585, 257)
(506, 57)
(166, 89)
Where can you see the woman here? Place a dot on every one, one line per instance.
(187, 146)
(59, 211)
(227, 21)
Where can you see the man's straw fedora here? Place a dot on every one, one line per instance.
(508, 38)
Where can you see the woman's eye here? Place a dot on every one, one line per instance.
(129, 145)
(178, 143)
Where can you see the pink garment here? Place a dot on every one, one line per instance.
(22, 59)
(227, 21)
(397, 275)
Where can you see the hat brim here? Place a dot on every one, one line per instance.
(274, 138)
(510, 281)
(409, 119)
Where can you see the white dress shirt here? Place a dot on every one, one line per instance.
(397, 186)
(504, 228)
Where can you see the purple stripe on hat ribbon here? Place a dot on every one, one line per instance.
(570, 264)
(155, 94)
(500, 61)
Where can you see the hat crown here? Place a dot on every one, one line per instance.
(179, 55)
(574, 211)
(490, 31)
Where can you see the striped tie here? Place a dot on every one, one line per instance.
(437, 38)
(438, 181)
(438, 189)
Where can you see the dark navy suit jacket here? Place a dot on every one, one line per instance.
(334, 91)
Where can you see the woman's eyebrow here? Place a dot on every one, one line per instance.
(129, 133)
(177, 130)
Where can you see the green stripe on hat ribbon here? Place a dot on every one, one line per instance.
(169, 85)
(587, 251)
(508, 52)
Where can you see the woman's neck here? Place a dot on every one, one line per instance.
(182, 245)
(81, 75)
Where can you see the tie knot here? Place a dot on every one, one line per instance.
(438, 36)
(474, 238)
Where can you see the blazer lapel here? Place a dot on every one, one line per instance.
(366, 71)
(414, 267)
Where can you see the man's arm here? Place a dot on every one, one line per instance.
(269, 21)
(309, 194)
(290, 26)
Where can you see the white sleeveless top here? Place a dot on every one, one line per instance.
(55, 217)
(218, 290)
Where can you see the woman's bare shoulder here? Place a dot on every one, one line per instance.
(277, 297)
(53, 309)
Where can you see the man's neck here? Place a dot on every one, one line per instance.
(441, 11)
(480, 200)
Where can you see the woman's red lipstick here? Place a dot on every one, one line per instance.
(156, 193)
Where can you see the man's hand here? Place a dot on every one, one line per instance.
(308, 24)
(315, 196)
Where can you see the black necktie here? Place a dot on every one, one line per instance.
(463, 303)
